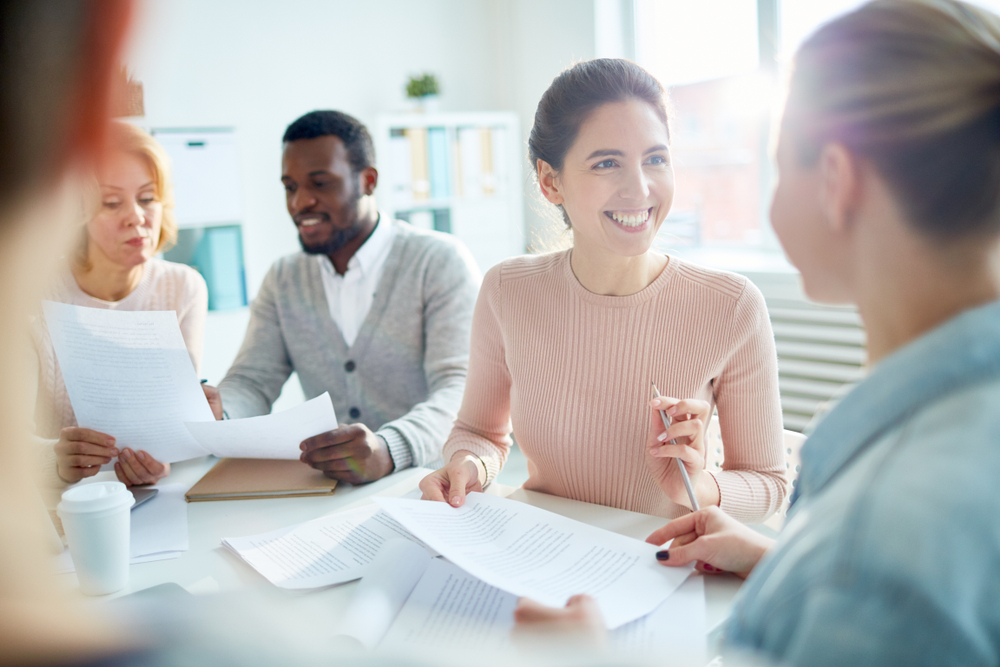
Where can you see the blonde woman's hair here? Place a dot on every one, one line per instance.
(127, 138)
(914, 87)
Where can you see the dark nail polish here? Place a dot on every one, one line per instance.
(663, 555)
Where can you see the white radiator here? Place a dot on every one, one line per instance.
(820, 348)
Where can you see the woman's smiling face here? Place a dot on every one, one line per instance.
(617, 182)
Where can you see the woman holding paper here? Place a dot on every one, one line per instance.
(114, 267)
(889, 198)
(564, 345)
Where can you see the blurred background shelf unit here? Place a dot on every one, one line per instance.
(206, 190)
(458, 173)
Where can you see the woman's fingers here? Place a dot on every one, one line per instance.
(699, 549)
(435, 486)
(689, 408)
(75, 433)
(459, 479)
(85, 447)
(692, 428)
(682, 409)
(685, 453)
(126, 475)
(138, 468)
(83, 461)
(154, 468)
(579, 612)
(664, 403)
(79, 454)
(451, 483)
(530, 612)
(677, 527)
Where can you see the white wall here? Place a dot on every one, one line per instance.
(257, 65)
(539, 39)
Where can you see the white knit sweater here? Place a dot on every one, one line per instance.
(164, 286)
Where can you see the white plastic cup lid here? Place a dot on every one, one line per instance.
(95, 497)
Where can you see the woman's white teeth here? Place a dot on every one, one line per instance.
(631, 219)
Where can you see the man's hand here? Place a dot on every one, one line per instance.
(351, 454)
(214, 399)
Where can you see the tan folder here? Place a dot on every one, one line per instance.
(242, 479)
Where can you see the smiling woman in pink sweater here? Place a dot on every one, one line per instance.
(564, 345)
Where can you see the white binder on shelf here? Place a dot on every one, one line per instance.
(205, 174)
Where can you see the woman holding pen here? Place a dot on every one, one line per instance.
(114, 267)
(565, 345)
(889, 198)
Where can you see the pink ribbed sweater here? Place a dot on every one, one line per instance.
(164, 286)
(569, 371)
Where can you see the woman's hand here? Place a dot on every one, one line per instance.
(713, 540)
(580, 621)
(138, 468)
(81, 452)
(463, 474)
(687, 427)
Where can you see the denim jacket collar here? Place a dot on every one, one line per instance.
(959, 353)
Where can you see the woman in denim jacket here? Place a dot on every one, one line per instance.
(888, 198)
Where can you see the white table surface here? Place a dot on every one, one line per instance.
(207, 567)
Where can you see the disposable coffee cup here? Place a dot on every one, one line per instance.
(96, 520)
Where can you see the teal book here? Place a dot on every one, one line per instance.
(219, 257)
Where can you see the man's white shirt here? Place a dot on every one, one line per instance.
(350, 296)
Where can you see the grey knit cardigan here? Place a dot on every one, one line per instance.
(405, 373)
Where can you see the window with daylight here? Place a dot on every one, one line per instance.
(722, 62)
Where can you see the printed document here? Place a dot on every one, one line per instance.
(128, 374)
(274, 436)
(527, 551)
(410, 600)
(322, 552)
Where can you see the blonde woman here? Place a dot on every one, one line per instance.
(114, 267)
(889, 198)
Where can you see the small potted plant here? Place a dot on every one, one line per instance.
(423, 89)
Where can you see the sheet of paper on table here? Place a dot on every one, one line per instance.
(330, 550)
(128, 374)
(274, 436)
(158, 529)
(527, 551)
(410, 600)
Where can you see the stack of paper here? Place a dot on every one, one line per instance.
(158, 531)
(494, 546)
(527, 551)
(409, 600)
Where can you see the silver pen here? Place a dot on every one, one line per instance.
(680, 464)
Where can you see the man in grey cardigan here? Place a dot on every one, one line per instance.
(373, 311)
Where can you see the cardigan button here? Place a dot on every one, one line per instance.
(350, 366)
(355, 413)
